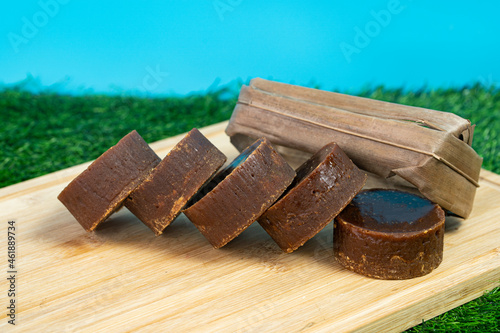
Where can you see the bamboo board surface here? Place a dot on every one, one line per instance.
(124, 278)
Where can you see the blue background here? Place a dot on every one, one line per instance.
(165, 47)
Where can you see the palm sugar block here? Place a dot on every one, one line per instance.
(240, 193)
(389, 234)
(324, 185)
(103, 187)
(179, 176)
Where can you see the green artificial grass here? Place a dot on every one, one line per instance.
(45, 132)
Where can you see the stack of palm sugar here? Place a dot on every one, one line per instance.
(379, 233)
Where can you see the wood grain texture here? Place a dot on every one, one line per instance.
(123, 278)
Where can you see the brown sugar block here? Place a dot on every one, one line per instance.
(240, 193)
(103, 187)
(186, 168)
(389, 234)
(324, 185)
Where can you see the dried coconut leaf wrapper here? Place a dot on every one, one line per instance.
(429, 149)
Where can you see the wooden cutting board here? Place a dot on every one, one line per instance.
(123, 278)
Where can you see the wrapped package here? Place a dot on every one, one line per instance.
(429, 149)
